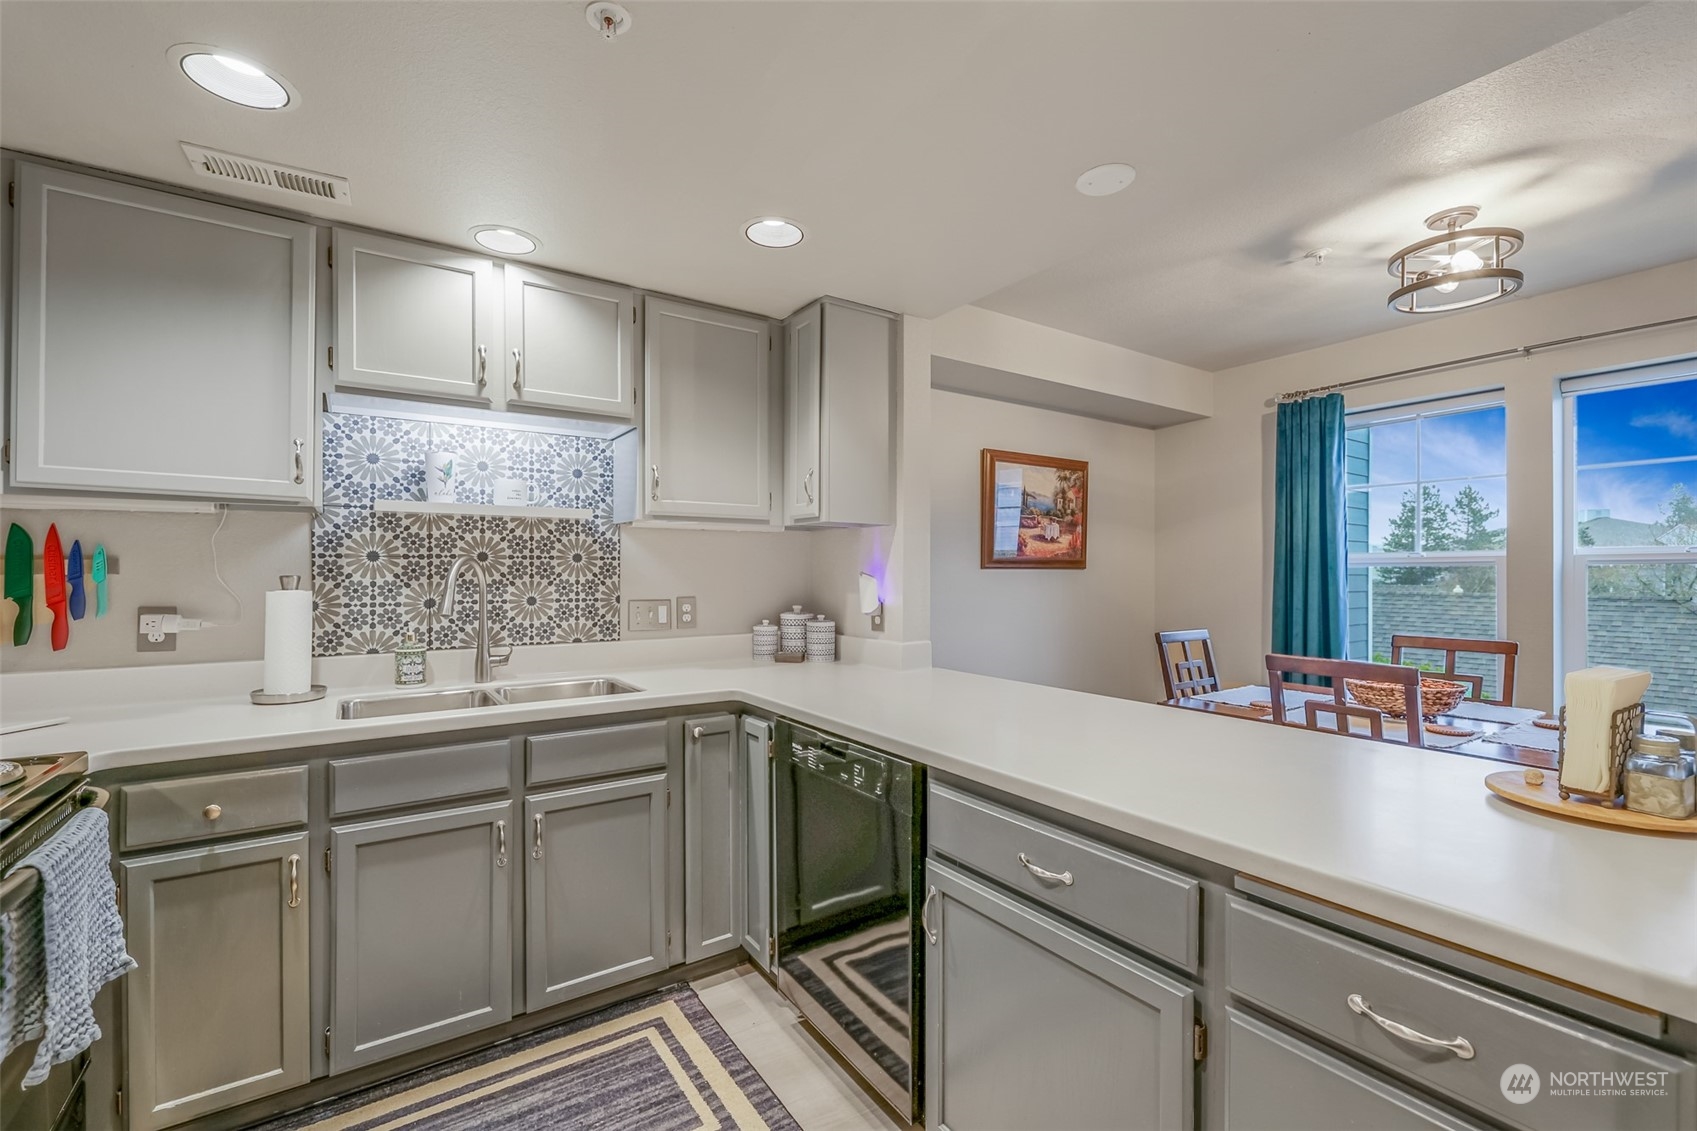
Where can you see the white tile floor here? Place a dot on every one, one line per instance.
(817, 1090)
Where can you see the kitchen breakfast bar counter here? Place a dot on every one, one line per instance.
(1407, 836)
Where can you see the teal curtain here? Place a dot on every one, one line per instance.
(1310, 617)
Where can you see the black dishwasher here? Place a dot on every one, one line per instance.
(849, 851)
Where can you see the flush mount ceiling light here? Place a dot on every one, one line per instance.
(505, 241)
(774, 231)
(232, 77)
(1105, 180)
(1461, 261)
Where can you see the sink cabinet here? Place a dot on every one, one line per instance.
(754, 838)
(595, 887)
(218, 1007)
(421, 945)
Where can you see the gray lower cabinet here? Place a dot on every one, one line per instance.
(218, 1005)
(421, 930)
(1030, 1023)
(595, 887)
(712, 881)
(754, 838)
(1279, 1082)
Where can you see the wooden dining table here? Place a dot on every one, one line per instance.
(1473, 748)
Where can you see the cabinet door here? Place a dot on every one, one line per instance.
(1104, 1041)
(164, 345)
(595, 887)
(571, 343)
(754, 839)
(802, 356)
(712, 881)
(420, 934)
(705, 406)
(856, 424)
(416, 319)
(218, 1005)
(1278, 1082)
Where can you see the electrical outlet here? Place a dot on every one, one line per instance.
(150, 630)
(650, 616)
(686, 613)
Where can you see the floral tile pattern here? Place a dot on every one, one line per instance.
(377, 576)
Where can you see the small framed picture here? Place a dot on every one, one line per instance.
(1033, 511)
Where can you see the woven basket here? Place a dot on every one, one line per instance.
(1437, 696)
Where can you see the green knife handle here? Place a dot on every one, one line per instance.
(25, 624)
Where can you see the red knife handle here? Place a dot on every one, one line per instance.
(61, 624)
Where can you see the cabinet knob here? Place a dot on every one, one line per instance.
(697, 732)
(213, 812)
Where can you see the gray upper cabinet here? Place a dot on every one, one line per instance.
(163, 344)
(1030, 1023)
(218, 1005)
(595, 887)
(570, 343)
(416, 319)
(839, 424)
(754, 838)
(712, 881)
(421, 934)
(706, 403)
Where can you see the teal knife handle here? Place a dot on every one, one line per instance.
(100, 598)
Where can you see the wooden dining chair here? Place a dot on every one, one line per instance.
(1187, 662)
(1338, 707)
(1453, 646)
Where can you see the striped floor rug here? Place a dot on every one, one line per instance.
(659, 1063)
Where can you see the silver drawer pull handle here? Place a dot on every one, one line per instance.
(925, 916)
(300, 461)
(1062, 878)
(536, 849)
(500, 844)
(518, 372)
(654, 488)
(482, 367)
(1461, 1046)
(295, 880)
(807, 484)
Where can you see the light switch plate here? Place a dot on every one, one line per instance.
(650, 616)
(687, 617)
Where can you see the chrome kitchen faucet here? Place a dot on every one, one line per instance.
(485, 663)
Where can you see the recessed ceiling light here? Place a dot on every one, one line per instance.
(774, 231)
(505, 241)
(232, 77)
(1105, 180)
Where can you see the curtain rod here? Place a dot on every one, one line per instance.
(1494, 355)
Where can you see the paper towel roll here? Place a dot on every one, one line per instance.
(288, 641)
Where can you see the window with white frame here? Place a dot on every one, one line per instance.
(1427, 502)
(1629, 571)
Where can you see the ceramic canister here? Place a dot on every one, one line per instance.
(821, 640)
(793, 630)
(765, 641)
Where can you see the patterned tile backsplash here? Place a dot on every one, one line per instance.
(375, 575)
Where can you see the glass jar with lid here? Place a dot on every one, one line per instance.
(1660, 780)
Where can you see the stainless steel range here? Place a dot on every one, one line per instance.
(37, 795)
(848, 848)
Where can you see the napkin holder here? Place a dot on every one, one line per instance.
(1626, 723)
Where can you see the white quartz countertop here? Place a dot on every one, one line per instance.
(1408, 836)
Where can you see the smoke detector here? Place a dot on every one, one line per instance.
(256, 173)
(607, 18)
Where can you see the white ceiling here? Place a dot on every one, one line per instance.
(929, 149)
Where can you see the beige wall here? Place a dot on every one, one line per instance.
(1083, 629)
(1215, 480)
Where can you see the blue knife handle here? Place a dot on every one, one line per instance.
(78, 601)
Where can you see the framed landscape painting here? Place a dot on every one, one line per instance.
(1034, 511)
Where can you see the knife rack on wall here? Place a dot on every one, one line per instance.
(111, 563)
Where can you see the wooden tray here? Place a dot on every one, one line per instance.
(1511, 786)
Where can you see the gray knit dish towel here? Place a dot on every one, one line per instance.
(61, 946)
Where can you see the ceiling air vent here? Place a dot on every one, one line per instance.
(265, 174)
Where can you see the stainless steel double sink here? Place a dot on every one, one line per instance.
(469, 698)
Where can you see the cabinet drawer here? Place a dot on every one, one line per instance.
(1145, 904)
(599, 752)
(1279, 1082)
(442, 773)
(212, 806)
(1308, 975)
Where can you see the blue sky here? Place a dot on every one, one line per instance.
(1648, 422)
